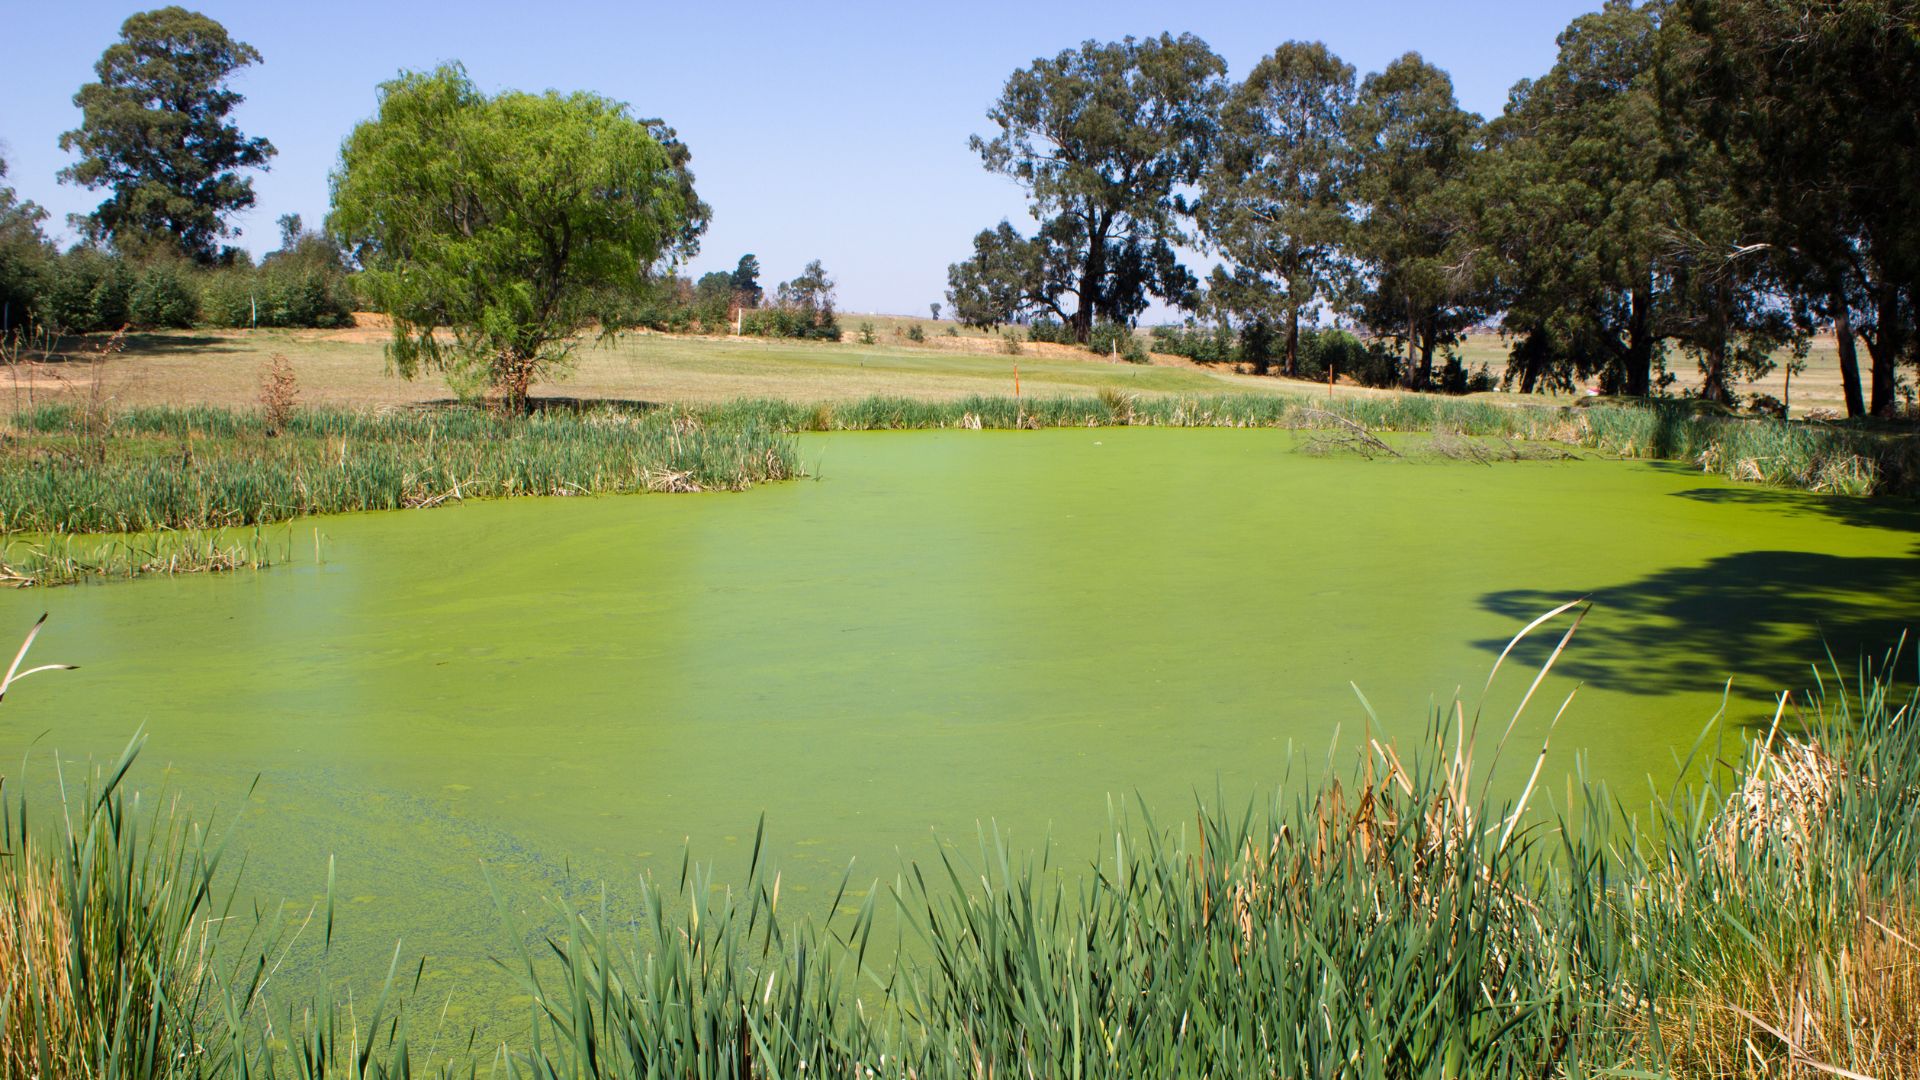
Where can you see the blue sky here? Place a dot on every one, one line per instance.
(829, 131)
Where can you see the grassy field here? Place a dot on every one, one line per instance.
(348, 368)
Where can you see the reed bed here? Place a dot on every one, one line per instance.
(1814, 456)
(69, 470)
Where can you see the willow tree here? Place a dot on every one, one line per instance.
(1275, 193)
(494, 230)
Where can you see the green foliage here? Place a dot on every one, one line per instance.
(164, 297)
(915, 333)
(1117, 339)
(746, 280)
(154, 129)
(866, 333)
(1811, 100)
(1413, 146)
(86, 291)
(24, 254)
(1275, 193)
(1202, 344)
(1052, 331)
(802, 308)
(1100, 136)
(511, 222)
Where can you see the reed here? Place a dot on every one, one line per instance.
(145, 470)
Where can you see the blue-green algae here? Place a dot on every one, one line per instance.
(939, 631)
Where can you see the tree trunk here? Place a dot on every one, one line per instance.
(1533, 358)
(1091, 278)
(1885, 347)
(1293, 342)
(1408, 378)
(1639, 360)
(1849, 357)
(1426, 357)
(1714, 378)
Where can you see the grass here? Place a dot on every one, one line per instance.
(1391, 918)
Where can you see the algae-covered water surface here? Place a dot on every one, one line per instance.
(941, 630)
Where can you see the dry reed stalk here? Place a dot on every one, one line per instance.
(36, 1011)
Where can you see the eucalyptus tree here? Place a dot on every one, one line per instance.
(1412, 149)
(1105, 138)
(508, 223)
(1574, 207)
(155, 129)
(1274, 199)
(1815, 99)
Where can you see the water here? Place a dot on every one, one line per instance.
(942, 630)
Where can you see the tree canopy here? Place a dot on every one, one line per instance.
(155, 130)
(509, 223)
(1103, 138)
(1275, 193)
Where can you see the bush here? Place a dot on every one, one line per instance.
(85, 291)
(163, 297)
(1201, 344)
(914, 333)
(1117, 339)
(1051, 331)
(866, 333)
(789, 322)
(277, 294)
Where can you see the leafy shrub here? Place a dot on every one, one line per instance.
(1201, 344)
(277, 295)
(1010, 342)
(84, 291)
(789, 322)
(1117, 339)
(163, 297)
(1051, 331)
(866, 333)
(914, 333)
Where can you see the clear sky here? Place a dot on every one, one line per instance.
(826, 130)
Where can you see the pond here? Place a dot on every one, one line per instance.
(938, 632)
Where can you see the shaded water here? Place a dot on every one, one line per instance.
(943, 629)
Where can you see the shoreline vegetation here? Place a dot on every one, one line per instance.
(90, 492)
(1390, 918)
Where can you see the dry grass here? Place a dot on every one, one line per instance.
(348, 368)
(35, 941)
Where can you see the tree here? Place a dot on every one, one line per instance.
(1103, 137)
(510, 222)
(1413, 145)
(154, 129)
(1008, 276)
(1274, 199)
(1576, 209)
(746, 281)
(811, 294)
(1814, 99)
(24, 252)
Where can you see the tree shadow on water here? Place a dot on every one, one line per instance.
(1762, 618)
(1890, 514)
